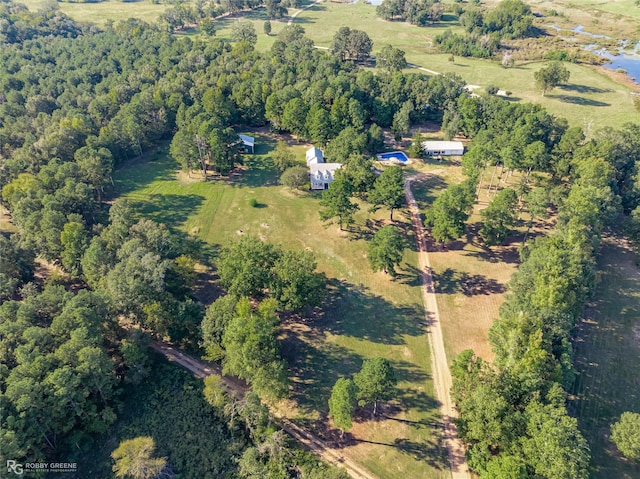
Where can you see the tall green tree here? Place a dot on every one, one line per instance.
(214, 391)
(336, 202)
(245, 266)
(551, 76)
(251, 349)
(359, 171)
(296, 283)
(219, 314)
(555, 448)
(342, 403)
(388, 189)
(499, 217)
(96, 166)
(135, 458)
(223, 150)
(385, 250)
(283, 156)
(376, 381)
(449, 212)
(243, 31)
(74, 240)
(295, 177)
(391, 59)
(625, 434)
(416, 150)
(318, 124)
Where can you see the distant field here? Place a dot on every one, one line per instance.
(607, 358)
(366, 314)
(102, 12)
(591, 99)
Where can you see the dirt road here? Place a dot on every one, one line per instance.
(441, 373)
(237, 389)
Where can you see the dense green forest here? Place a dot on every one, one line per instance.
(76, 102)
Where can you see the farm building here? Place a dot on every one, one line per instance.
(443, 148)
(314, 156)
(248, 142)
(322, 174)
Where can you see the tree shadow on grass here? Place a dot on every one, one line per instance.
(259, 169)
(431, 451)
(409, 275)
(425, 190)
(315, 367)
(352, 310)
(455, 282)
(154, 165)
(169, 209)
(578, 100)
(584, 89)
(371, 227)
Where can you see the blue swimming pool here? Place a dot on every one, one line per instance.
(393, 155)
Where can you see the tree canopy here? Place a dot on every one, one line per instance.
(386, 249)
(625, 434)
(549, 77)
(342, 403)
(375, 381)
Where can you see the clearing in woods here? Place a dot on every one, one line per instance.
(607, 357)
(366, 314)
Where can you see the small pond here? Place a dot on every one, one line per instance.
(625, 57)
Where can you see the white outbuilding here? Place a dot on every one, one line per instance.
(443, 148)
(248, 143)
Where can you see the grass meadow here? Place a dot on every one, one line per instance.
(607, 358)
(365, 315)
(102, 12)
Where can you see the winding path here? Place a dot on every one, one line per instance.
(293, 17)
(238, 389)
(441, 373)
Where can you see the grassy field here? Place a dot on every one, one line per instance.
(590, 100)
(102, 12)
(607, 358)
(366, 314)
(469, 278)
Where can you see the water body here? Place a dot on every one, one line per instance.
(625, 57)
(628, 61)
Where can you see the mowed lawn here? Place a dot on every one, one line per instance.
(108, 10)
(607, 358)
(365, 315)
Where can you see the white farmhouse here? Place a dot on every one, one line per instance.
(321, 174)
(443, 148)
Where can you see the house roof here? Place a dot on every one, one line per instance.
(314, 155)
(323, 171)
(442, 145)
(247, 140)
